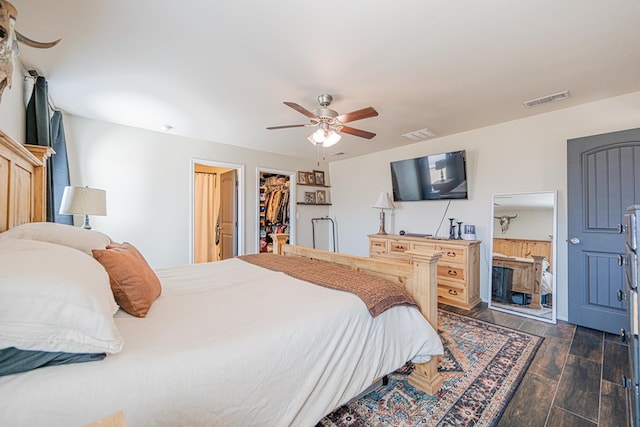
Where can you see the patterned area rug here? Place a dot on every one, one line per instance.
(482, 366)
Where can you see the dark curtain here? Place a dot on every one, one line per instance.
(45, 130)
(60, 167)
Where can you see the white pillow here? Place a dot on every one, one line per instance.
(61, 234)
(55, 298)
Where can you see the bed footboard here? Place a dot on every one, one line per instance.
(418, 278)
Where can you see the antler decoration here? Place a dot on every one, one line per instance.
(9, 38)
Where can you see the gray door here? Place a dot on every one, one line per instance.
(603, 174)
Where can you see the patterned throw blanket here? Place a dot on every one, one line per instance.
(377, 293)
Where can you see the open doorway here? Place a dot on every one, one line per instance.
(216, 231)
(276, 199)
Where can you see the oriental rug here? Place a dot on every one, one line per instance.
(482, 367)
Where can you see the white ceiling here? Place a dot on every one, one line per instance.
(220, 70)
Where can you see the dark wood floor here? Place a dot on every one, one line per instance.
(574, 379)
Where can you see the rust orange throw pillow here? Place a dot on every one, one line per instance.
(134, 284)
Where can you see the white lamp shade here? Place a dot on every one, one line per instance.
(84, 201)
(332, 138)
(384, 201)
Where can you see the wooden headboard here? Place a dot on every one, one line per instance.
(524, 248)
(23, 175)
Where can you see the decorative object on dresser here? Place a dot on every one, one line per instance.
(458, 268)
(383, 202)
(84, 201)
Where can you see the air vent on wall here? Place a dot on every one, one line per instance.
(560, 96)
(420, 135)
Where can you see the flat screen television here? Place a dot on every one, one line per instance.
(432, 177)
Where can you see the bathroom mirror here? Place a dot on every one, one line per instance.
(523, 254)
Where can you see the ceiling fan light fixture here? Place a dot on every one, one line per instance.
(332, 138)
(319, 135)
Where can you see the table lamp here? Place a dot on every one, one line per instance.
(383, 202)
(84, 201)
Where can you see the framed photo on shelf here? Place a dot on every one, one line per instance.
(310, 178)
(309, 197)
(302, 177)
(321, 196)
(318, 176)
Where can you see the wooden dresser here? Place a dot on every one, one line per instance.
(458, 268)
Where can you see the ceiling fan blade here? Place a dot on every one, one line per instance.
(301, 109)
(364, 113)
(286, 126)
(357, 132)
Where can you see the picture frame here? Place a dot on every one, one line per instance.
(321, 197)
(318, 177)
(302, 177)
(310, 197)
(311, 178)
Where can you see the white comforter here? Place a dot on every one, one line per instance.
(227, 344)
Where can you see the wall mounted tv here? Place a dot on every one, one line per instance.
(432, 177)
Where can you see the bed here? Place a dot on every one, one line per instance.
(224, 343)
(529, 261)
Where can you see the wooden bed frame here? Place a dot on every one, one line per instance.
(23, 176)
(419, 278)
(527, 276)
(22, 186)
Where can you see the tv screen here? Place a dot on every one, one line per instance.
(432, 177)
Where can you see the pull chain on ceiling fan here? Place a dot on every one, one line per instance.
(330, 124)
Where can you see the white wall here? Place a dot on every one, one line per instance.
(520, 156)
(12, 106)
(147, 177)
(531, 223)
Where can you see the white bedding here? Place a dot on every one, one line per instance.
(227, 344)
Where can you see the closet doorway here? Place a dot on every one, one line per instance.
(276, 198)
(216, 232)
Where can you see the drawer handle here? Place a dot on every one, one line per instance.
(452, 273)
(452, 292)
(451, 254)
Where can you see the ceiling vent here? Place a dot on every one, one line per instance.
(420, 135)
(560, 96)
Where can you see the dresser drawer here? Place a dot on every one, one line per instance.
(398, 247)
(422, 247)
(451, 272)
(452, 294)
(377, 246)
(454, 254)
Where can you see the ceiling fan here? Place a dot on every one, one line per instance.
(330, 124)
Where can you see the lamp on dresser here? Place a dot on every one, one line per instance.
(383, 202)
(84, 201)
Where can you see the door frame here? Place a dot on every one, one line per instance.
(240, 197)
(292, 203)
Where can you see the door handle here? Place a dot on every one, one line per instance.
(623, 335)
(621, 295)
(574, 241)
(622, 260)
